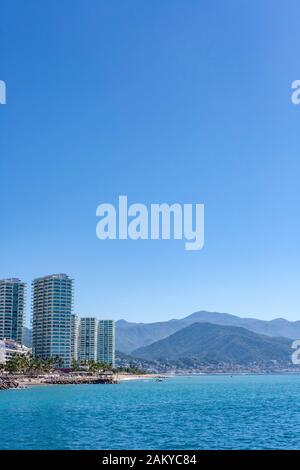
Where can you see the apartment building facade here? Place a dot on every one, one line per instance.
(88, 336)
(52, 308)
(12, 306)
(97, 340)
(106, 342)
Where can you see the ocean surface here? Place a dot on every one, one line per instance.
(203, 412)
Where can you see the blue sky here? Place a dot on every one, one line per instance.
(164, 101)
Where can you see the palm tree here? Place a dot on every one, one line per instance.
(39, 363)
(31, 364)
(75, 365)
(48, 364)
(58, 362)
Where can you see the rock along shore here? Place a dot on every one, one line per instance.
(7, 384)
(24, 381)
(79, 381)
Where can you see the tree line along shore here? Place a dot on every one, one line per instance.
(26, 370)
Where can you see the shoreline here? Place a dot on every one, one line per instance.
(127, 377)
(18, 383)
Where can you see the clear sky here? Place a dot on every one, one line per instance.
(163, 101)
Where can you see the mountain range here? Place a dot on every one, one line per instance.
(206, 336)
(27, 337)
(208, 343)
(132, 336)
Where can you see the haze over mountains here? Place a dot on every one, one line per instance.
(132, 336)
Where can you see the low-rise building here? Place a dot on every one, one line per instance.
(9, 348)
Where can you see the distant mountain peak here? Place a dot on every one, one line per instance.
(207, 342)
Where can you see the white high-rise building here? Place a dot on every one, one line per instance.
(97, 340)
(106, 342)
(88, 336)
(75, 324)
(52, 307)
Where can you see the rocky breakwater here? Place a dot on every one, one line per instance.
(80, 380)
(6, 384)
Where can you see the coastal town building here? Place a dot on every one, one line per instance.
(12, 304)
(56, 331)
(106, 342)
(9, 348)
(52, 308)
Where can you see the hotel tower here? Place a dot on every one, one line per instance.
(12, 303)
(52, 308)
(97, 340)
(88, 335)
(106, 342)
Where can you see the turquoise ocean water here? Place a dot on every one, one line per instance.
(204, 412)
